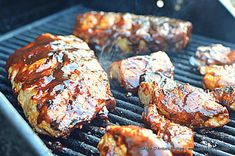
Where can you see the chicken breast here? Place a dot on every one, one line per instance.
(59, 83)
(179, 138)
(129, 34)
(214, 54)
(181, 103)
(218, 76)
(131, 141)
(128, 71)
(225, 96)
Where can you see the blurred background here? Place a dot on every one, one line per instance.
(209, 17)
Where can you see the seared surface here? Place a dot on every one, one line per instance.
(218, 76)
(179, 138)
(59, 83)
(182, 103)
(132, 34)
(131, 141)
(225, 96)
(214, 54)
(128, 71)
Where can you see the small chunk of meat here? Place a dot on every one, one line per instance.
(218, 76)
(225, 96)
(214, 54)
(131, 141)
(128, 71)
(179, 138)
(182, 103)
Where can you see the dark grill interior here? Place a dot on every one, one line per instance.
(13, 13)
(219, 141)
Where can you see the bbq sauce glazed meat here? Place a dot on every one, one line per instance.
(179, 138)
(225, 96)
(131, 141)
(214, 54)
(218, 76)
(59, 84)
(181, 103)
(132, 34)
(127, 71)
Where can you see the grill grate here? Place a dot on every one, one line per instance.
(218, 141)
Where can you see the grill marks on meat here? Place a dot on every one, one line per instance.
(218, 76)
(225, 96)
(132, 34)
(214, 54)
(128, 71)
(131, 141)
(59, 83)
(182, 103)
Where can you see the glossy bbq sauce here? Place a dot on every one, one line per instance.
(38, 68)
(48, 65)
(137, 140)
(189, 106)
(129, 33)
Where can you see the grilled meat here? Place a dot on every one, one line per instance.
(132, 34)
(181, 103)
(131, 141)
(128, 71)
(59, 83)
(179, 138)
(215, 54)
(218, 76)
(225, 96)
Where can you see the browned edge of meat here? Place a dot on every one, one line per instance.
(128, 71)
(59, 84)
(132, 34)
(182, 103)
(225, 96)
(215, 76)
(132, 141)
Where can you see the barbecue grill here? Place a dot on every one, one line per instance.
(218, 141)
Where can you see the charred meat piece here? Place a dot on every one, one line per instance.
(131, 141)
(132, 34)
(215, 54)
(59, 84)
(218, 76)
(225, 96)
(182, 103)
(180, 138)
(128, 71)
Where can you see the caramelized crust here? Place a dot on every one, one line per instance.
(132, 34)
(128, 71)
(180, 138)
(59, 83)
(225, 96)
(218, 76)
(131, 141)
(182, 103)
(215, 54)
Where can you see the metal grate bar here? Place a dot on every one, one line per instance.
(209, 151)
